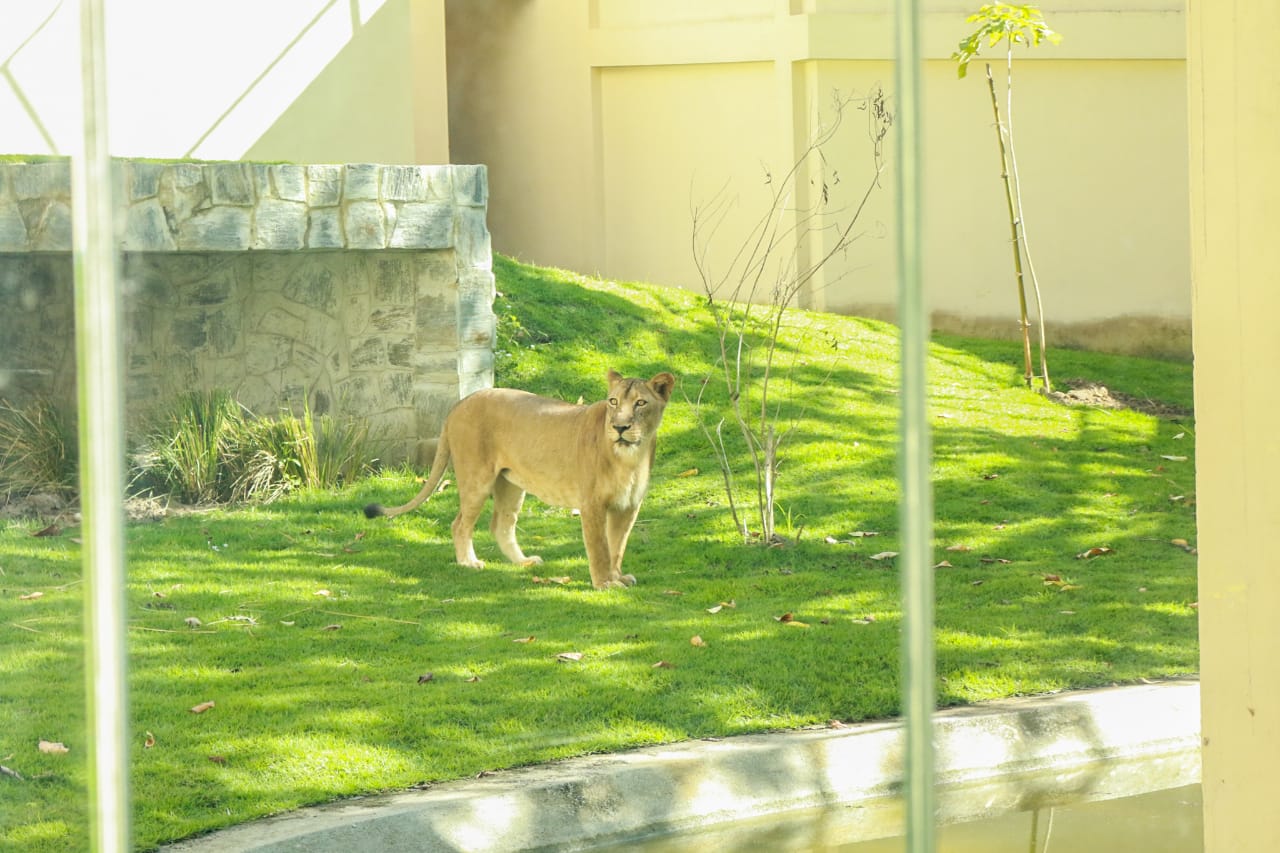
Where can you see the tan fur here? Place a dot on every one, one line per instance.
(504, 443)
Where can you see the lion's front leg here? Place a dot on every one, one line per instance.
(618, 530)
(599, 559)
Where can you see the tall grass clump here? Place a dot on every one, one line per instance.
(207, 448)
(38, 449)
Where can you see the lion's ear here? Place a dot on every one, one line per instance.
(614, 376)
(662, 385)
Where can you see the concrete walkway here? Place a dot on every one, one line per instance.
(1001, 756)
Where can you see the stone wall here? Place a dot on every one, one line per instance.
(367, 289)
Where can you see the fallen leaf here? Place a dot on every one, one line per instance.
(992, 476)
(569, 656)
(523, 640)
(1178, 436)
(672, 592)
(860, 534)
(149, 742)
(957, 547)
(1176, 498)
(884, 555)
(715, 609)
(288, 624)
(1052, 579)
(561, 580)
(53, 748)
(218, 759)
(865, 620)
(692, 472)
(425, 677)
(11, 773)
(331, 628)
(201, 708)
(1174, 458)
(1094, 552)
(51, 530)
(836, 724)
(788, 619)
(359, 535)
(731, 604)
(31, 596)
(323, 592)
(1142, 589)
(977, 583)
(1067, 612)
(1001, 560)
(192, 622)
(473, 679)
(785, 617)
(944, 565)
(662, 664)
(696, 640)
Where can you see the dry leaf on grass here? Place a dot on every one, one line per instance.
(31, 596)
(201, 708)
(51, 530)
(944, 565)
(150, 741)
(692, 472)
(662, 664)
(53, 748)
(334, 627)
(884, 555)
(697, 640)
(565, 657)
(957, 547)
(425, 677)
(528, 639)
(788, 619)
(14, 774)
(1094, 552)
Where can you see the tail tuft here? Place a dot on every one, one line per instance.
(374, 510)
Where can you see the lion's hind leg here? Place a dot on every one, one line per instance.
(508, 498)
(470, 503)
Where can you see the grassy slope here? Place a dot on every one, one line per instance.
(306, 712)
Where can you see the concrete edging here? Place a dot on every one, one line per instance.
(993, 758)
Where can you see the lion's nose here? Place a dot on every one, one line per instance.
(622, 428)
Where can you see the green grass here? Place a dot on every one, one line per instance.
(306, 712)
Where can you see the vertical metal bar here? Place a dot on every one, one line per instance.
(98, 366)
(916, 511)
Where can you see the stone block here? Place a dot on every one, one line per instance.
(260, 176)
(369, 352)
(362, 181)
(290, 182)
(472, 238)
(325, 230)
(280, 225)
(471, 185)
(13, 231)
(405, 183)
(144, 179)
(312, 283)
(51, 179)
(392, 276)
(231, 183)
(187, 175)
(51, 232)
(146, 228)
(219, 229)
(423, 226)
(365, 226)
(324, 185)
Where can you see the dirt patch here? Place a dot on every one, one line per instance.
(66, 510)
(1086, 392)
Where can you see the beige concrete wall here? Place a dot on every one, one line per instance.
(665, 103)
(321, 81)
(1235, 183)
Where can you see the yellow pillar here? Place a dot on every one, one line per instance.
(1234, 75)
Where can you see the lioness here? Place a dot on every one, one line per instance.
(504, 443)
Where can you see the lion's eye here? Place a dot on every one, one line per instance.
(613, 401)
(640, 403)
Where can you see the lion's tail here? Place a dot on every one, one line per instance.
(439, 465)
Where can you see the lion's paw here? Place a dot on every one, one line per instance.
(532, 560)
